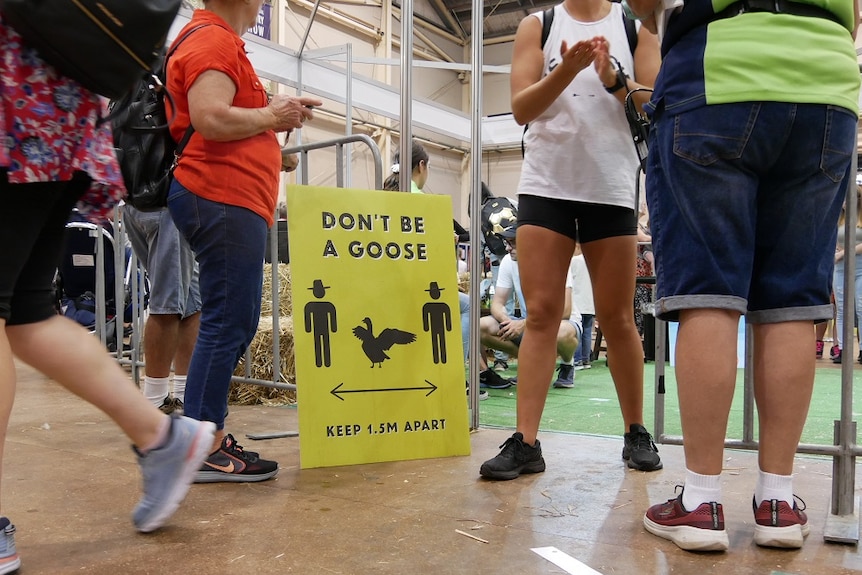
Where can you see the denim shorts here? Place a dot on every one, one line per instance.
(744, 202)
(168, 259)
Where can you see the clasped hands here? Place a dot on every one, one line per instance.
(595, 51)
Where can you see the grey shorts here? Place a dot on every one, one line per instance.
(168, 259)
(578, 330)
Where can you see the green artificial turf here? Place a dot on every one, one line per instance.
(592, 406)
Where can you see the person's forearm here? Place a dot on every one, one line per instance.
(234, 123)
(855, 19)
(643, 8)
(498, 312)
(531, 102)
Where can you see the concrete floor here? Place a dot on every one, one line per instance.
(71, 482)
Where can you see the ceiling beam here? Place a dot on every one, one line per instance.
(435, 28)
(445, 14)
(439, 6)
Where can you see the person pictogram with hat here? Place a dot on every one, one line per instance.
(437, 319)
(320, 320)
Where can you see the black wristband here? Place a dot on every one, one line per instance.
(622, 82)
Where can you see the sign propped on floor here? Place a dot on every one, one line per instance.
(379, 360)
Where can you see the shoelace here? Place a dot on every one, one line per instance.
(799, 499)
(236, 449)
(643, 440)
(512, 446)
(677, 488)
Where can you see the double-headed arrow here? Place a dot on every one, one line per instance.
(337, 391)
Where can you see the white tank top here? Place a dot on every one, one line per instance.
(581, 148)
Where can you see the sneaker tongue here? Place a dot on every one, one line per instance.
(229, 442)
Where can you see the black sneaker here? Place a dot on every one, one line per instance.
(492, 380)
(500, 365)
(178, 406)
(167, 407)
(565, 376)
(639, 451)
(230, 463)
(515, 458)
(482, 393)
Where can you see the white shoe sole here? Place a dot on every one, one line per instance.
(790, 537)
(10, 565)
(222, 477)
(690, 538)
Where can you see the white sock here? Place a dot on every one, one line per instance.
(156, 389)
(700, 489)
(180, 387)
(770, 486)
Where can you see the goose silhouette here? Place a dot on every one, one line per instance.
(375, 347)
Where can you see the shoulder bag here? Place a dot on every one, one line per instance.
(105, 45)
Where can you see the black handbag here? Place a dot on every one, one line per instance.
(145, 150)
(103, 44)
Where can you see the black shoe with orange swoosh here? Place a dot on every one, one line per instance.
(231, 463)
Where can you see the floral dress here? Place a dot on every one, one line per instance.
(51, 128)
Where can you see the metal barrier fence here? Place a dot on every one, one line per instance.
(115, 241)
(127, 287)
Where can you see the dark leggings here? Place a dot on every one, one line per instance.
(32, 230)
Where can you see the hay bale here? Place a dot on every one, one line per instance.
(262, 366)
(285, 304)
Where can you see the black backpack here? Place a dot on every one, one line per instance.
(548, 19)
(497, 214)
(145, 150)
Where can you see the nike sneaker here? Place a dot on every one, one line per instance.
(168, 471)
(9, 560)
(231, 463)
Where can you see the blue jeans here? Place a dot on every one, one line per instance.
(744, 202)
(585, 346)
(229, 243)
(838, 287)
(464, 304)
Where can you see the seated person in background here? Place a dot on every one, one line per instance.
(582, 298)
(500, 331)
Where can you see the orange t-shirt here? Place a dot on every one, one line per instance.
(241, 172)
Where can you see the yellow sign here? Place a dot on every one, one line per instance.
(379, 361)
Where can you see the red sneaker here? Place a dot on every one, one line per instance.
(698, 530)
(779, 525)
(819, 349)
